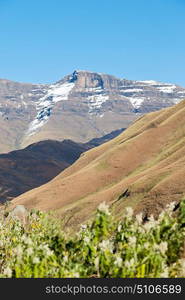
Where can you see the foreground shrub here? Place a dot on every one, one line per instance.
(104, 248)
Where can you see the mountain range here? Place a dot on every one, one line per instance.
(81, 106)
(143, 167)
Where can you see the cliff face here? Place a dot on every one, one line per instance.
(17, 110)
(82, 106)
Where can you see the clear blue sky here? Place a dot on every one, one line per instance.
(43, 40)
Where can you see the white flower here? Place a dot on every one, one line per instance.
(118, 261)
(65, 258)
(29, 251)
(140, 229)
(139, 218)
(17, 228)
(174, 226)
(86, 239)
(132, 241)
(75, 275)
(130, 263)
(146, 245)
(152, 220)
(150, 224)
(36, 260)
(161, 216)
(18, 251)
(128, 212)
(83, 227)
(147, 226)
(27, 240)
(170, 207)
(8, 272)
(103, 207)
(165, 273)
(133, 228)
(162, 247)
(119, 227)
(106, 245)
(47, 250)
(182, 267)
(96, 262)
(1, 244)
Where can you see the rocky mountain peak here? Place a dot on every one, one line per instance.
(82, 106)
(84, 79)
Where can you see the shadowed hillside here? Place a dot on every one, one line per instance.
(35, 165)
(23, 170)
(144, 167)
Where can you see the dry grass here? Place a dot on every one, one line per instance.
(148, 159)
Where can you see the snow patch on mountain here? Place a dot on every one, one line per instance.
(181, 92)
(132, 90)
(136, 102)
(95, 102)
(167, 88)
(149, 82)
(56, 92)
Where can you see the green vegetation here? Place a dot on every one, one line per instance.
(103, 248)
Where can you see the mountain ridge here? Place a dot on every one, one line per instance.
(143, 167)
(81, 106)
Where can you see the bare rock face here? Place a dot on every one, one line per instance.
(82, 106)
(17, 110)
(86, 80)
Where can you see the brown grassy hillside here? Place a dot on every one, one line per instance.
(148, 160)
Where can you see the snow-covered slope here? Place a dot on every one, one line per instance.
(56, 93)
